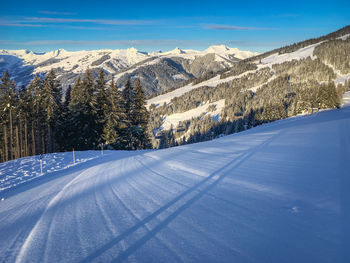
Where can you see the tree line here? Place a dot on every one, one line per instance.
(36, 119)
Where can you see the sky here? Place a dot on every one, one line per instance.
(258, 26)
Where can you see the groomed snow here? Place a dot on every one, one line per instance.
(275, 193)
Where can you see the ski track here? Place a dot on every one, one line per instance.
(240, 198)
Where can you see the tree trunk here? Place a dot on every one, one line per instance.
(11, 137)
(26, 152)
(18, 150)
(21, 149)
(33, 139)
(6, 154)
(49, 141)
(42, 143)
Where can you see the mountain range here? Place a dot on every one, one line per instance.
(159, 71)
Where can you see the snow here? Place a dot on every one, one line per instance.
(266, 62)
(255, 88)
(275, 193)
(224, 50)
(213, 82)
(299, 54)
(346, 99)
(79, 61)
(342, 78)
(25, 169)
(84, 59)
(220, 50)
(179, 76)
(344, 37)
(174, 119)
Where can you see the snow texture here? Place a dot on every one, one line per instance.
(25, 169)
(276, 193)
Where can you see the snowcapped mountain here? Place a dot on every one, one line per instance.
(274, 193)
(164, 70)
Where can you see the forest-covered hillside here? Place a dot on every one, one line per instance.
(299, 78)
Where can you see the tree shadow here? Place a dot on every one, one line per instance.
(185, 199)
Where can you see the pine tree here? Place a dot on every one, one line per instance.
(8, 105)
(64, 127)
(128, 101)
(101, 102)
(29, 108)
(328, 96)
(51, 107)
(22, 122)
(251, 119)
(114, 128)
(140, 118)
(39, 115)
(77, 111)
(83, 114)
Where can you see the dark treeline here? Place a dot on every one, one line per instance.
(36, 119)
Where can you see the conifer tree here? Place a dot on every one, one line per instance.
(128, 101)
(114, 128)
(101, 102)
(64, 129)
(39, 116)
(140, 118)
(8, 105)
(29, 108)
(251, 119)
(83, 114)
(90, 119)
(51, 108)
(77, 110)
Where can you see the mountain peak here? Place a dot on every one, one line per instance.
(175, 51)
(59, 51)
(217, 49)
(178, 51)
(132, 50)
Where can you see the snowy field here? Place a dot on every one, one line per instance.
(275, 193)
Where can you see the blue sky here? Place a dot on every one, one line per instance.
(163, 25)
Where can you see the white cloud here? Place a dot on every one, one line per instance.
(56, 13)
(233, 27)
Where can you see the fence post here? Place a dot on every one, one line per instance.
(41, 164)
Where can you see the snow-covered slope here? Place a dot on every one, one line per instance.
(299, 54)
(213, 82)
(202, 110)
(275, 193)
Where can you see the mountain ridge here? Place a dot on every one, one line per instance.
(24, 64)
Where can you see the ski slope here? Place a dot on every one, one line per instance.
(275, 193)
